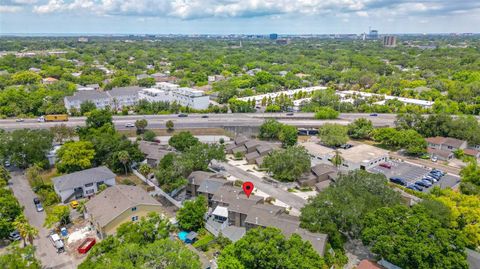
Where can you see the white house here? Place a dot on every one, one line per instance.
(82, 183)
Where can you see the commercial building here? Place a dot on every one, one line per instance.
(389, 41)
(82, 183)
(189, 97)
(362, 157)
(117, 205)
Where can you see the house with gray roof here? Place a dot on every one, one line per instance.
(83, 183)
(98, 98)
(117, 205)
(153, 151)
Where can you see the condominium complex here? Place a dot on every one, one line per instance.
(117, 98)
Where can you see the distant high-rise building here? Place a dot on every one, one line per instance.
(273, 36)
(389, 41)
(373, 34)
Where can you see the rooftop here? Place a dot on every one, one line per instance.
(124, 91)
(83, 96)
(362, 153)
(317, 149)
(110, 203)
(80, 178)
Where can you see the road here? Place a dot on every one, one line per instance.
(280, 194)
(44, 248)
(301, 120)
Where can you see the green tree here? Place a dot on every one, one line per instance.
(191, 216)
(27, 231)
(169, 124)
(288, 135)
(141, 125)
(75, 156)
(333, 134)
(360, 128)
(326, 113)
(57, 214)
(124, 158)
(98, 118)
(61, 133)
(270, 129)
(393, 234)
(273, 108)
(267, 248)
(288, 164)
(10, 209)
(26, 147)
(149, 135)
(183, 141)
(470, 183)
(86, 107)
(20, 258)
(338, 210)
(146, 82)
(144, 169)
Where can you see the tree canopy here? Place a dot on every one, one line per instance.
(288, 164)
(191, 216)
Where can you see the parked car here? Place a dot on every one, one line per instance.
(434, 159)
(399, 181)
(429, 179)
(414, 187)
(386, 165)
(129, 125)
(74, 204)
(182, 115)
(14, 236)
(435, 175)
(39, 207)
(57, 242)
(7, 163)
(204, 116)
(346, 146)
(374, 114)
(423, 183)
(438, 171)
(36, 201)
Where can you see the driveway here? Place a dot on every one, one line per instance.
(44, 248)
(278, 193)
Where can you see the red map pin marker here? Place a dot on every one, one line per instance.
(247, 188)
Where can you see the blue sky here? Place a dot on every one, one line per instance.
(238, 16)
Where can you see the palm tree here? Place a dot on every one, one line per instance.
(124, 158)
(337, 159)
(26, 230)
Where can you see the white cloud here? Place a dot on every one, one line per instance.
(9, 9)
(193, 9)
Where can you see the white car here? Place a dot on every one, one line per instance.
(19, 120)
(129, 125)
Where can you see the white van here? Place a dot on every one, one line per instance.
(57, 243)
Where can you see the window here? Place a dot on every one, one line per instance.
(89, 191)
(134, 218)
(134, 208)
(89, 185)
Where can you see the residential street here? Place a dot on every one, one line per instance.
(279, 193)
(44, 248)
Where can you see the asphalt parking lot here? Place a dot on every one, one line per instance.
(411, 173)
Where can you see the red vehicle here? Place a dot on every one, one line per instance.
(86, 245)
(386, 165)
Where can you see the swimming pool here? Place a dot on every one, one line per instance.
(183, 235)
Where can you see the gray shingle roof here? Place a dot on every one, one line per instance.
(124, 91)
(80, 178)
(83, 96)
(110, 203)
(211, 185)
(197, 177)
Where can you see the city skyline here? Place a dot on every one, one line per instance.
(237, 17)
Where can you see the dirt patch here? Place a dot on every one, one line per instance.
(131, 179)
(77, 234)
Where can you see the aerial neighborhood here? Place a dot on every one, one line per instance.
(239, 151)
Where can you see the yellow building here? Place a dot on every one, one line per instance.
(117, 205)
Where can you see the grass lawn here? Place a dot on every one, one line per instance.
(130, 179)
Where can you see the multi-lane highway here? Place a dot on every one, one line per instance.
(301, 120)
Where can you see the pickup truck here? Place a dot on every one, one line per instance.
(57, 242)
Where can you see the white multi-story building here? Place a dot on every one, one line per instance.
(346, 96)
(153, 95)
(195, 99)
(124, 96)
(99, 99)
(289, 93)
(166, 86)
